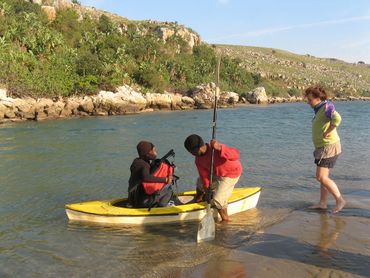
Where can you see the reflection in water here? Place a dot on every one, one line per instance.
(240, 229)
(224, 268)
(170, 250)
(328, 235)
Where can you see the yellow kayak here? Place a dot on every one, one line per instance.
(113, 211)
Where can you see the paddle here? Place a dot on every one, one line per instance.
(206, 228)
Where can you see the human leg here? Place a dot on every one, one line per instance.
(224, 187)
(327, 184)
(323, 193)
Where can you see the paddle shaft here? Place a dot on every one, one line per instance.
(214, 125)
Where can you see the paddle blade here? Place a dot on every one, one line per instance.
(206, 228)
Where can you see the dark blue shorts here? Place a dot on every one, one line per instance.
(326, 162)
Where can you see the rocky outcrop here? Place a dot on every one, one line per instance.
(124, 101)
(170, 30)
(273, 100)
(190, 37)
(50, 12)
(3, 94)
(58, 4)
(229, 98)
(257, 96)
(62, 4)
(165, 33)
(128, 101)
(203, 96)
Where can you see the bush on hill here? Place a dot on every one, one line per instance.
(82, 56)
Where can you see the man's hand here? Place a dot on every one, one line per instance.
(169, 180)
(216, 145)
(208, 196)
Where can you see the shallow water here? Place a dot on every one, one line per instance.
(48, 164)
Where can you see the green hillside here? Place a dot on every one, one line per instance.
(59, 48)
(294, 72)
(63, 51)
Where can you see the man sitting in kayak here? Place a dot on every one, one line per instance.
(227, 170)
(146, 189)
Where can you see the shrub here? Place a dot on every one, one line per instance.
(365, 93)
(88, 64)
(87, 85)
(234, 77)
(149, 77)
(256, 78)
(274, 89)
(105, 25)
(66, 22)
(294, 92)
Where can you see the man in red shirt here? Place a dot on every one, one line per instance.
(227, 170)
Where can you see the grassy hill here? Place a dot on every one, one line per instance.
(292, 73)
(60, 48)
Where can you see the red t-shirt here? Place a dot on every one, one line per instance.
(226, 164)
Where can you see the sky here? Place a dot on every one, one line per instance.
(322, 28)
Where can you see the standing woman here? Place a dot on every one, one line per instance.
(327, 145)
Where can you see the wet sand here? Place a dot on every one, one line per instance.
(305, 244)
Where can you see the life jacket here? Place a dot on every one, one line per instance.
(159, 168)
(154, 194)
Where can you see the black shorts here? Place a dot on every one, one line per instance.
(326, 162)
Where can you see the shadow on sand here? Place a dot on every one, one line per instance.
(319, 255)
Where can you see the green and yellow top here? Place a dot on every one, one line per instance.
(325, 116)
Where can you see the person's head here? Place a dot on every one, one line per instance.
(146, 150)
(194, 144)
(315, 95)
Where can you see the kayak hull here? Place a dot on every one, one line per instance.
(242, 199)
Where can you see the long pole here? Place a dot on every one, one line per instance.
(214, 125)
(207, 227)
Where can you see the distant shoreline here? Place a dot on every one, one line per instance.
(29, 109)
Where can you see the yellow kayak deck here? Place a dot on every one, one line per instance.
(108, 208)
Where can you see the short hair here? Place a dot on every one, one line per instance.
(144, 147)
(316, 92)
(193, 142)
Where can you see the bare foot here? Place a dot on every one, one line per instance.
(340, 205)
(224, 221)
(318, 206)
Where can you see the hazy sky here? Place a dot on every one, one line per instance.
(323, 28)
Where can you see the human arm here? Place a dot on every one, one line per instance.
(226, 152)
(147, 177)
(335, 120)
(203, 171)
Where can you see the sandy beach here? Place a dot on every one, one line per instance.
(305, 244)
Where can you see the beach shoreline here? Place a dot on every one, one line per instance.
(129, 103)
(303, 244)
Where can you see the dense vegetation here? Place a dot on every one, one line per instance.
(75, 54)
(70, 55)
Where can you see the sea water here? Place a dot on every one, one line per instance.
(45, 165)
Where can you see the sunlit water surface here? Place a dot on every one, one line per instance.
(45, 165)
